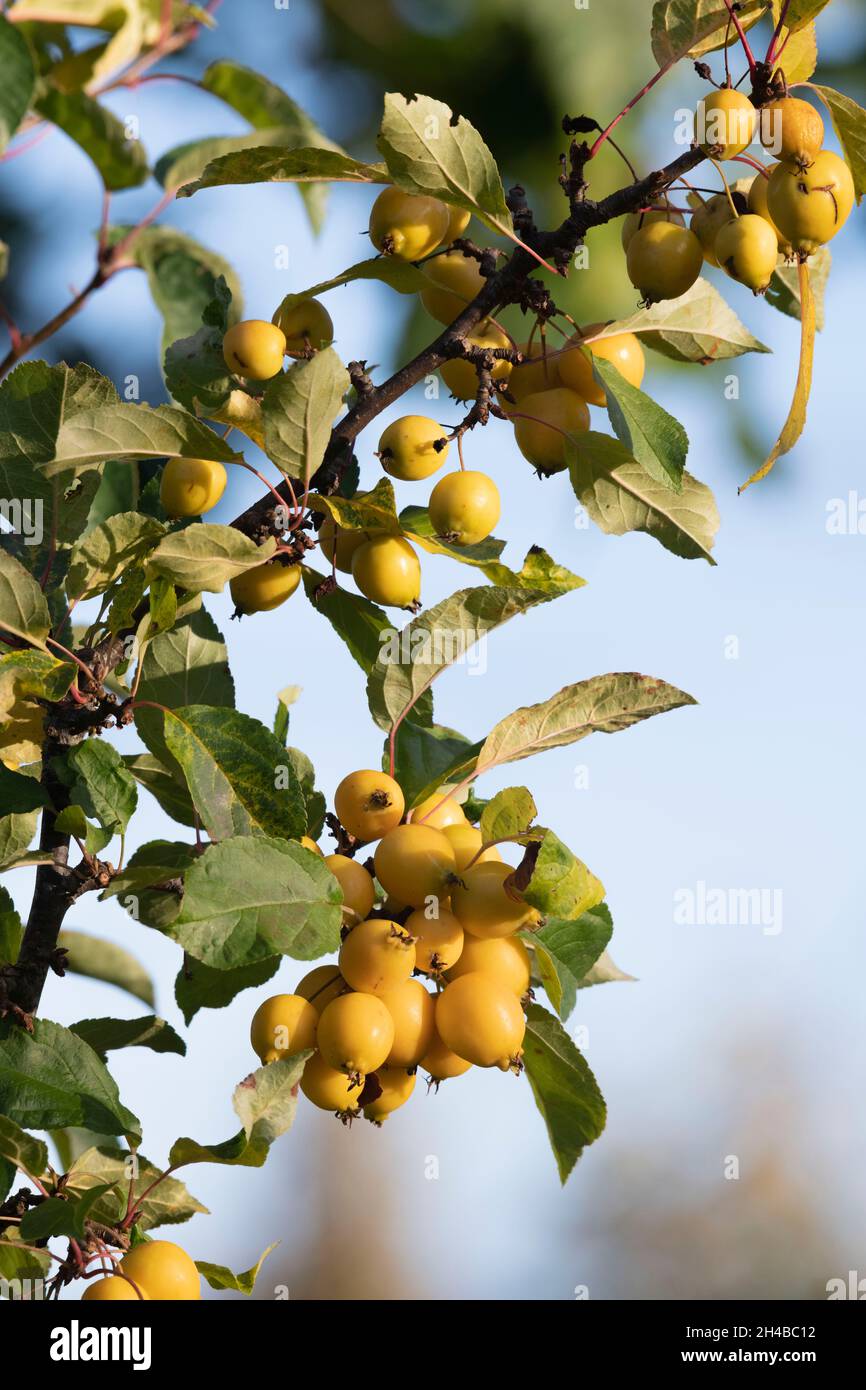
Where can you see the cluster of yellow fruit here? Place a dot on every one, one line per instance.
(794, 207)
(450, 916)
(154, 1270)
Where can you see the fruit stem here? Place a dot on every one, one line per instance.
(721, 173)
(647, 87)
(754, 163)
(777, 33)
(741, 33)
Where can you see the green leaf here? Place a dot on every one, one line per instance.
(109, 1034)
(11, 930)
(172, 795)
(424, 756)
(603, 704)
(149, 885)
(182, 275)
(265, 1103)
(98, 959)
(375, 510)
(50, 1078)
(285, 699)
(604, 972)
(410, 661)
(200, 987)
(19, 794)
(120, 162)
(102, 555)
(127, 431)
(187, 666)
(28, 1266)
(251, 897)
(239, 777)
(784, 288)
(298, 410)
(72, 821)
(276, 118)
(653, 437)
(356, 620)
(221, 1278)
(566, 951)
(17, 80)
(561, 885)
(620, 496)
(695, 27)
(849, 123)
(698, 327)
(16, 835)
(21, 1150)
(263, 165)
(61, 1216)
(103, 786)
(565, 1090)
(802, 12)
(194, 367)
(39, 674)
(185, 163)
(314, 802)
(167, 1204)
(428, 151)
(389, 270)
(205, 556)
(23, 610)
(508, 814)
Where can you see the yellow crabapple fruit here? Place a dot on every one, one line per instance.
(407, 449)
(359, 890)
(635, 220)
(440, 1063)
(264, 587)
(461, 376)
(412, 1008)
(747, 249)
(339, 543)
(455, 280)
(458, 221)
(396, 1088)
(539, 371)
(466, 841)
(483, 905)
(309, 843)
(254, 349)
(725, 123)
(792, 130)
(163, 1271)
(407, 225)
(369, 804)
(283, 1025)
(387, 570)
(758, 204)
(708, 220)
(622, 349)
(414, 863)
(355, 1034)
(481, 1020)
(438, 940)
(503, 958)
(663, 261)
(321, 985)
(438, 810)
(328, 1088)
(465, 506)
(810, 206)
(377, 955)
(191, 487)
(542, 424)
(306, 326)
(112, 1289)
